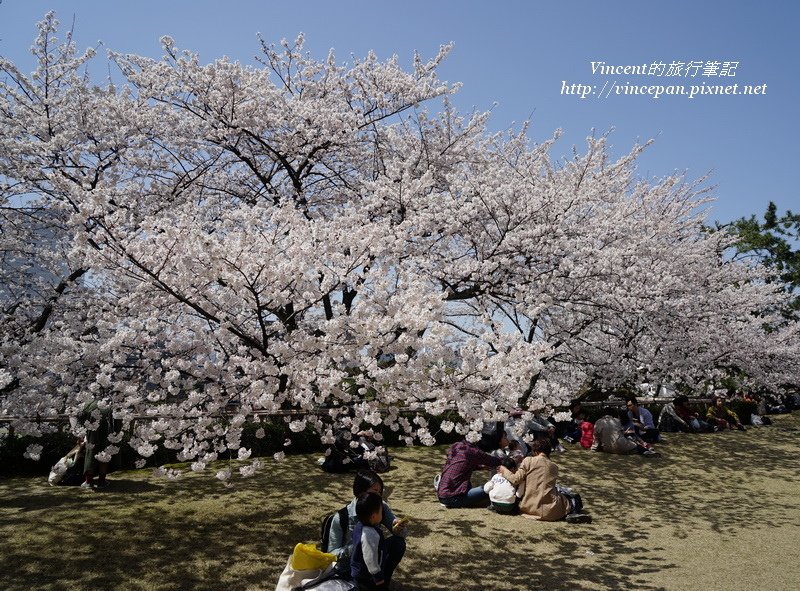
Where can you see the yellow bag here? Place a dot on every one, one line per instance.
(308, 557)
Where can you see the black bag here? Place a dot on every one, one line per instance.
(381, 462)
(334, 462)
(327, 523)
(342, 457)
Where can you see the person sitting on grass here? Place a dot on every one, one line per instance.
(537, 426)
(632, 433)
(677, 416)
(609, 437)
(755, 408)
(570, 431)
(641, 420)
(502, 494)
(721, 416)
(369, 565)
(340, 542)
(464, 457)
(515, 451)
(542, 498)
(587, 431)
(542, 428)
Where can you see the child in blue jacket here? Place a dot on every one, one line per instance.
(367, 563)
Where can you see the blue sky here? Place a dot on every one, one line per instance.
(517, 54)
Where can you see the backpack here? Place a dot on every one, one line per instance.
(341, 457)
(327, 523)
(381, 462)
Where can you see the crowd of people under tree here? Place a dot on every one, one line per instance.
(515, 457)
(520, 477)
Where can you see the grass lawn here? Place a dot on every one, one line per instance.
(719, 511)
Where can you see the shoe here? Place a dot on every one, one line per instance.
(102, 484)
(578, 518)
(650, 453)
(559, 448)
(569, 439)
(87, 486)
(577, 503)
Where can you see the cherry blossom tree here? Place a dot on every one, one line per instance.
(208, 243)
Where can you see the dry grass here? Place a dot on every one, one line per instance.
(714, 512)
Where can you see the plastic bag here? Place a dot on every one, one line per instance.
(61, 466)
(306, 566)
(58, 471)
(308, 557)
(292, 579)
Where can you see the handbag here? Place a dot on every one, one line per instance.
(61, 466)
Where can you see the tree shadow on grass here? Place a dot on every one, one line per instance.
(473, 548)
(190, 534)
(700, 484)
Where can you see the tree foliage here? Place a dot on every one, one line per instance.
(775, 243)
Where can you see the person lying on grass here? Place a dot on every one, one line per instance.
(610, 437)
